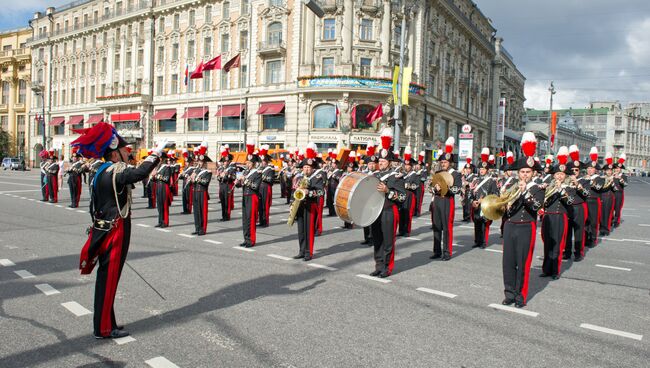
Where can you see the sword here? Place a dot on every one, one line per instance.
(145, 281)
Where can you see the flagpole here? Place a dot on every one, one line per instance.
(221, 97)
(187, 91)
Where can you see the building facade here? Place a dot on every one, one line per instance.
(15, 78)
(638, 136)
(124, 62)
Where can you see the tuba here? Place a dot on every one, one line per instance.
(494, 206)
(298, 196)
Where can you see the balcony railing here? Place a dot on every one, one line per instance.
(271, 47)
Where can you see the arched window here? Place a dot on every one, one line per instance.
(274, 33)
(359, 118)
(325, 116)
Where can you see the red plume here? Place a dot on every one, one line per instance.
(449, 145)
(510, 158)
(311, 151)
(593, 154)
(528, 144)
(563, 155)
(608, 158)
(485, 154)
(386, 138)
(574, 153)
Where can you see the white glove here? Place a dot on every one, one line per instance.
(160, 147)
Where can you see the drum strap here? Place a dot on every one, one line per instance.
(253, 171)
(314, 174)
(383, 178)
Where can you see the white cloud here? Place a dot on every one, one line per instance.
(539, 97)
(30, 5)
(638, 42)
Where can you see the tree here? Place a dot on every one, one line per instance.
(5, 143)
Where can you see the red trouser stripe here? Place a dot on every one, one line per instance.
(78, 194)
(560, 255)
(391, 260)
(585, 215)
(319, 214)
(611, 213)
(450, 241)
(529, 260)
(166, 204)
(205, 212)
(487, 231)
(230, 199)
(411, 211)
(254, 214)
(55, 189)
(269, 200)
(106, 324)
(620, 211)
(421, 198)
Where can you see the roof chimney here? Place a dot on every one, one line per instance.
(49, 10)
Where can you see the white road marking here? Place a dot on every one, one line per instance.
(23, 198)
(368, 277)
(212, 241)
(24, 274)
(316, 265)
(80, 211)
(47, 289)
(11, 247)
(466, 226)
(612, 332)
(625, 240)
(6, 192)
(457, 245)
(279, 257)
(69, 208)
(614, 267)
(32, 199)
(436, 292)
(7, 263)
(160, 362)
(644, 225)
(244, 249)
(187, 236)
(124, 340)
(412, 238)
(143, 225)
(163, 230)
(514, 310)
(493, 250)
(283, 219)
(76, 308)
(632, 262)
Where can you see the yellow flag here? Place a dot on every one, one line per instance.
(406, 82)
(395, 81)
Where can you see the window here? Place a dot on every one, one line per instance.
(274, 33)
(273, 72)
(208, 14)
(275, 122)
(325, 117)
(161, 25)
(206, 80)
(82, 71)
(190, 49)
(73, 96)
(160, 87)
(243, 74)
(167, 125)
(79, 125)
(102, 89)
(128, 59)
(161, 54)
(365, 30)
(364, 67)
(245, 4)
(82, 95)
(328, 66)
(275, 2)
(226, 10)
(177, 21)
(175, 52)
(22, 90)
(234, 122)
(5, 93)
(243, 40)
(198, 125)
(359, 117)
(63, 98)
(104, 62)
(224, 42)
(224, 80)
(397, 36)
(116, 63)
(192, 17)
(64, 72)
(329, 29)
(174, 84)
(140, 57)
(55, 98)
(4, 122)
(207, 46)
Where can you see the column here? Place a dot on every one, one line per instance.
(307, 67)
(386, 31)
(346, 33)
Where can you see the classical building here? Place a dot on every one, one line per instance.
(124, 61)
(637, 149)
(15, 77)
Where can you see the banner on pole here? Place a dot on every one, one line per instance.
(501, 122)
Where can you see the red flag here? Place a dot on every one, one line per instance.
(232, 63)
(375, 114)
(353, 116)
(213, 64)
(553, 127)
(198, 72)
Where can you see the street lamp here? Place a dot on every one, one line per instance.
(38, 91)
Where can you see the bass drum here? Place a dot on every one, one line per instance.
(357, 199)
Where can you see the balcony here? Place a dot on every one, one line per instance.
(330, 6)
(272, 48)
(371, 6)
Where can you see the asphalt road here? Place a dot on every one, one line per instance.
(209, 303)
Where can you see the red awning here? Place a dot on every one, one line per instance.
(74, 120)
(195, 113)
(94, 119)
(230, 110)
(80, 131)
(57, 120)
(131, 116)
(271, 108)
(164, 114)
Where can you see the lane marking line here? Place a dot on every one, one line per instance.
(514, 310)
(212, 241)
(612, 332)
(160, 362)
(164, 230)
(143, 225)
(47, 289)
(372, 278)
(316, 265)
(187, 236)
(80, 211)
(58, 205)
(644, 225)
(24, 274)
(76, 308)
(250, 250)
(437, 292)
(614, 267)
(493, 250)
(124, 340)
(69, 208)
(279, 257)
(412, 238)
(6, 262)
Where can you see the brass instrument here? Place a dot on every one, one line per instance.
(609, 181)
(494, 206)
(552, 189)
(298, 196)
(444, 180)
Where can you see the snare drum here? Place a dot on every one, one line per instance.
(357, 199)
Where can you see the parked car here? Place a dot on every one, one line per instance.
(18, 165)
(12, 163)
(6, 163)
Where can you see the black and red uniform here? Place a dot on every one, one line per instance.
(250, 203)
(555, 226)
(74, 182)
(407, 208)
(176, 171)
(53, 182)
(110, 236)
(607, 202)
(442, 218)
(163, 194)
(44, 190)
(486, 186)
(466, 201)
(384, 229)
(419, 192)
(266, 194)
(307, 216)
(227, 178)
(619, 198)
(333, 179)
(594, 210)
(187, 189)
(201, 183)
(578, 214)
(519, 233)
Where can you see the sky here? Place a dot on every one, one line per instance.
(593, 50)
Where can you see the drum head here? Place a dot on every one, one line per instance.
(366, 202)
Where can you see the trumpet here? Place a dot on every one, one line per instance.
(552, 189)
(609, 181)
(494, 206)
(298, 196)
